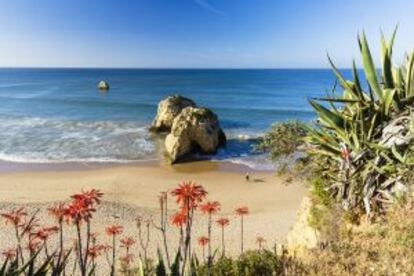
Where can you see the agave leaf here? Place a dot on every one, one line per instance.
(410, 76)
(372, 127)
(391, 41)
(386, 51)
(397, 76)
(332, 119)
(388, 100)
(323, 137)
(342, 81)
(357, 82)
(369, 68)
(336, 100)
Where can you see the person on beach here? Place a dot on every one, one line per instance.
(247, 177)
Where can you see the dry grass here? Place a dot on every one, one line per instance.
(382, 248)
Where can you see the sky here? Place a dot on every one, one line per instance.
(197, 33)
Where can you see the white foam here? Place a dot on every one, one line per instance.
(39, 140)
(255, 162)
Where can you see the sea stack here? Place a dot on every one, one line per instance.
(168, 109)
(103, 85)
(190, 129)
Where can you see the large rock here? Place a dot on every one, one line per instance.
(168, 109)
(194, 130)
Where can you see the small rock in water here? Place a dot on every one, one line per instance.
(103, 85)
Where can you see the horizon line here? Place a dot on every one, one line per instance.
(173, 68)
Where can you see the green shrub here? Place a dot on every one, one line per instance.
(283, 139)
(253, 263)
(224, 266)
(258, 263)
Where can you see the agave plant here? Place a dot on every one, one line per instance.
(362, 141)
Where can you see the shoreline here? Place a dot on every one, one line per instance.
(219, 165)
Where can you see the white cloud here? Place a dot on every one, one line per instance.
(205, 5)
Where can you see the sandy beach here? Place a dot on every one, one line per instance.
(132, 191)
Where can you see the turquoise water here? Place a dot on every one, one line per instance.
(58, 115)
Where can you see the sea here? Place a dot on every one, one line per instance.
(58, 115)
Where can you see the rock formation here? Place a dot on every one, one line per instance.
(302, 235)
(192, 129)
(168, 109)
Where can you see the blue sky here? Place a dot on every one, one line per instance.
(196, 33)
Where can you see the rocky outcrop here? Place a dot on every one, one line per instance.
(191, 129)
(103, 85)
(302, 235)
(168, 109)
(194, 130)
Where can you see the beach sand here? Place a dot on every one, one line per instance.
(132, 191)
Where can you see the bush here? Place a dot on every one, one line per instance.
(254, 262)
(258, 263)
(282, 139)
(282, 142)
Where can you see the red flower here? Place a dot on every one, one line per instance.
(127, 242)
(344, 152)
(9, 253)
(242, 211)
(81, 207)
(80, 211)
(15, 216)
(223, 222)
(189, 194)
(114, 230)
(45, 232)
(59, 211)
(88, 197)
(178, 219)
(202, 241)
(127, 259)
(210, 207)
(96, 250)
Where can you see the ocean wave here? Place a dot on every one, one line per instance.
(33, 160)
(41, 140)
(255, 162)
